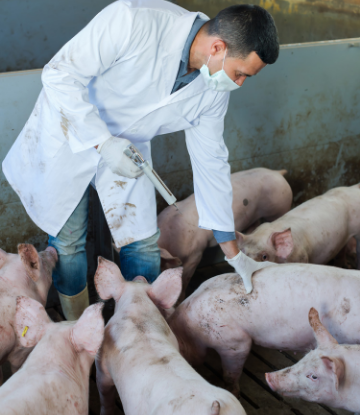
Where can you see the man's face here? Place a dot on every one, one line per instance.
(237, 69)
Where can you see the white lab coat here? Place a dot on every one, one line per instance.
(115, 78)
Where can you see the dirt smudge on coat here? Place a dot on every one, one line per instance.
(116, 222)
(121, 184)
(124, 242)
(64, 124)
(109, 210)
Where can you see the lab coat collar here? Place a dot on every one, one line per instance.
(173, 46)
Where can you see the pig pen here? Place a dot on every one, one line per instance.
(301, 114)
(255, 395)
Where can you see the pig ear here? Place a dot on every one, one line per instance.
(88, 332)
(30, 258)
(30, 321)
(240, 238)
(336, 367)
(168, 261)
(283, 243)
(108, 280)
(165, 290)
(323, 337)
(215, 408)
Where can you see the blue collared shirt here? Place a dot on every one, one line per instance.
(182, 79)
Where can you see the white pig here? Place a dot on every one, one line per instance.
(314, 232)
(27, 273)
(257, 194)
(140, 354)
(329, 375)
(54, 380)
(220, 315)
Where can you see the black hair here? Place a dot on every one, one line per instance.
(246, 28)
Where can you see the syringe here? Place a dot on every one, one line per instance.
(133, 153)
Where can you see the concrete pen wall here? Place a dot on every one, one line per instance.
(301, 114)
(32, 31)
(297, 20)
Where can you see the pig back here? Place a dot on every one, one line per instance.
(259, 193)
(275, 313)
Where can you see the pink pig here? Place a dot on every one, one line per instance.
(140, 355)
(329, 375)
(220, 315)
(257, 193)
(54, 380)
(27, 273)
(313, 232)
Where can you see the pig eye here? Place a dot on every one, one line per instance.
(313, 377)
(264, 257)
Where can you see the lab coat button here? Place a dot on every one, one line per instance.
(133, 130)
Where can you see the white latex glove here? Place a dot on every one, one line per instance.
(112, 151)
(245, 267)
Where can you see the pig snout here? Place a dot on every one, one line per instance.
(283, 382)
(280, 382)
(271, 380)
(53, 252)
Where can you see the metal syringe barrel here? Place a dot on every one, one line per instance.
(157, 182)
(133, 153)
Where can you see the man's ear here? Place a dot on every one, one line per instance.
(30, 258)
(108, 280)
(165, 290)
(283, 243)
(31, 321)
(168, 261)
(337, 368)
(323, 337)
(88, 332)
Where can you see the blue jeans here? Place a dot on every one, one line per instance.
(69, 275)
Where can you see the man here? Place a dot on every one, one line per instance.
(137, 70)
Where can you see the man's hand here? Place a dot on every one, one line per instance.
(243, 265)
(112, 151)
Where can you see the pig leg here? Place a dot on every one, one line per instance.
(233, 356)
(14, 367)
(340, 259)
(107, 391)
(18, 358)
(357, 251)
(188, 272)
(195, 354)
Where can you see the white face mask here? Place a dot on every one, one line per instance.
(219, 81)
